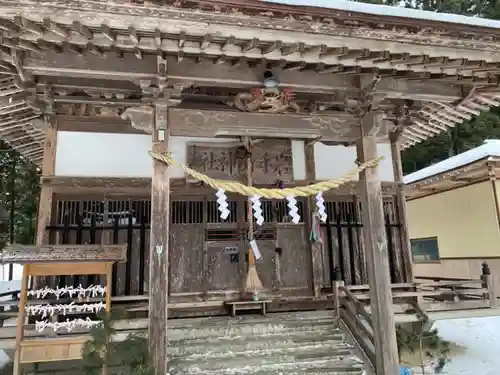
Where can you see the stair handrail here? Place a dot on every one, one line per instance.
(352, 313)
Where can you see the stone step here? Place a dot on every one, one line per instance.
(266, 358)
(252, 342)
(295, 318)
(299, 351)
(274, 365)
(248, 329)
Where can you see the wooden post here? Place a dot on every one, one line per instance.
(337, 282)
(489, 284)
(314, 248)
(46, 194)
(159, 244)
(397, 167)
(20, 320)
(376, 251)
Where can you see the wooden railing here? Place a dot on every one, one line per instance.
(438, 295)
(352, 304)
(8, 305)
(357, 322)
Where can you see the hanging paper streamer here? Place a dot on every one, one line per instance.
(79, 291)
(257, 210)
(51, 310)
(294, 211)
(69, 325)
(320, 205)
(223, 205)
(255, 249)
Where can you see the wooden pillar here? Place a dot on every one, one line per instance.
(374, 234)
(314, 247)
(397, 167)
(46, 193)
(159, 244)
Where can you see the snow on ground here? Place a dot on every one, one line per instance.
(481, 339)
(479, 336)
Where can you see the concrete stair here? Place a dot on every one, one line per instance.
(278, 344)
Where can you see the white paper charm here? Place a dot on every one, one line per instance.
(293, 210)
(69, 291)
(51, 310)
(69, 325)
(223, 205)
(257, 210)
(255, 249)
(320, 205)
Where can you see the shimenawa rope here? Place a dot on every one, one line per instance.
(237, 187)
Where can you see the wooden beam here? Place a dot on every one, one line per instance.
(90, 65)
(315, 248)
(377, 256)
(212, 123)
(225, 75)
(159, 245)
(397, 167)
(95, 124)
(46, 193)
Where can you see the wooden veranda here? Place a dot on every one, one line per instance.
(87, 88)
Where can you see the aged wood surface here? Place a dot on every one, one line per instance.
(98, 124)
(295, 258)
(271, 161)
(207, 123)
(225, 75)
(336, 22)
(377, 257)
(205, 23)
(159, 246)
(426, 65)
(46, 192)
(23, 297)
(186, 258)
(402, 215)
(63, 253)
(314, 247)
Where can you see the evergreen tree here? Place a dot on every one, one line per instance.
(19, 192)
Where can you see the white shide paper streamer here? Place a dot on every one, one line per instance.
(223, 205)
(69, 325)
(70, 291)
(255, 249)
(257, 210)
(293, 209)
(320, 205)
(51, 310)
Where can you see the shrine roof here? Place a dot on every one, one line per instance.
(457, 171)
(489, 148)
(392, 11)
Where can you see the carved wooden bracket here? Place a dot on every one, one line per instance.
(141, 118)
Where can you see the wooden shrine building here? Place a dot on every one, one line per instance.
(89, 88)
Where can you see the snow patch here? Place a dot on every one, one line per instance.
(490, 147)
(386, 10)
